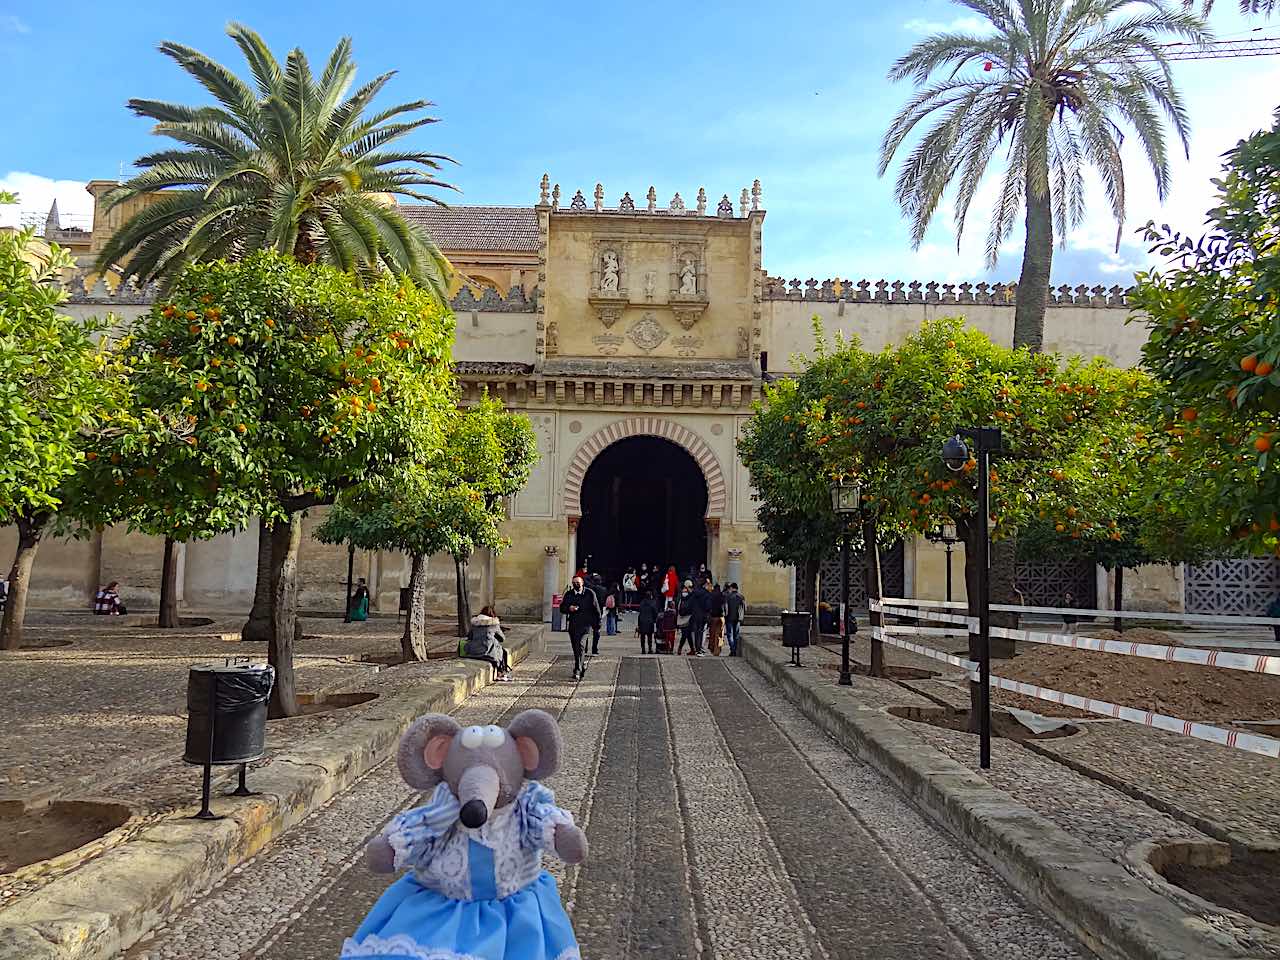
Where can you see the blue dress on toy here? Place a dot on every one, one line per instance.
(471, 894)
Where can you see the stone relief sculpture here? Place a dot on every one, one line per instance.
(553, 339)
(607, 343)
(742, 343)
(650, 280)
(647, 333)
(688, 275)
(609, 272)
(687, 346)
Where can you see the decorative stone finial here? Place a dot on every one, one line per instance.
(652, 197)
(677, 205)
(579, 202)
(755, 195)
(742, 203)
(544, 187)
(724, 208)
(626, 204)
(599, 197)
(702, 201)
(555, 197)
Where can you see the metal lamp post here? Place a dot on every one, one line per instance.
(945, 534)
(955, 454)
(846, 501)
(351, 563)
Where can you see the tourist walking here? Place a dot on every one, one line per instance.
(668, 622)
(684, 609)
(611, 612)
(735, 609)
(629, 587)
(646, 622)
(486, 642)
(596, 586)
(715, 621)
(701, 603)
(582, 609)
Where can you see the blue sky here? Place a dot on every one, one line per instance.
(674, 95)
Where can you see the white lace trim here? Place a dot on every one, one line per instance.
(404, 945)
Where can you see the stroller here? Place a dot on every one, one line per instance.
(666, 634)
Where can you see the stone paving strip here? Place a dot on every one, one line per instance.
(1051, 832)
(107, 903)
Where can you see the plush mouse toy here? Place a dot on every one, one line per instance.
(476, 888)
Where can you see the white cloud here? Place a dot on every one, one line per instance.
(958, 25)
(36, 194)
(12, 24)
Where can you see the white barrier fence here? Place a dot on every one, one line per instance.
(1236, 739)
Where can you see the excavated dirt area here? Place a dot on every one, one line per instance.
(1246, 886)
(1185, 690)
(37, 835)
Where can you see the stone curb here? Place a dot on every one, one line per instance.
(107, 905)
(1111, 911)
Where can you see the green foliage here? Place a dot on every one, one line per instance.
(1068, 429)
(794, 511)
(1214, 343)
(292, 163)
(58, 388)
(8, 197)
(265, 386)
(451, 503)
(1050, 88)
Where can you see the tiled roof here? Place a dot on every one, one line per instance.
(477, 228)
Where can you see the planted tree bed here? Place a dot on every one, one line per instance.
(1246, 886)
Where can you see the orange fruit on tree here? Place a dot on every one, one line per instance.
(93, 456)
(241, 428)
(1264, 369)
(191, 314)
(1263, 443)
(1249, 363)
(862, 404)
(269, 322)
(1189, 414)
(195, 328)
(202, 386)
(215, 362)
(233, 340)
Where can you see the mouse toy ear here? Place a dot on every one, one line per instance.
(537, 737)
(423, 749)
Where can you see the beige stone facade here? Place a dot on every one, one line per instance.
(604, 323)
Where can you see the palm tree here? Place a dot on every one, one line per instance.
(292, 163)
(1052, 87)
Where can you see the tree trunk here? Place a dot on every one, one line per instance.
(809, 594)
(1003, 585)
(286, 537)
(464, 597)
(169, 587)
(258, 626)
(1037, 261)
(413, 644)
(1118, 602)
(15, 607)
(871, 573)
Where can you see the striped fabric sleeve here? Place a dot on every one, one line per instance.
(415, 834)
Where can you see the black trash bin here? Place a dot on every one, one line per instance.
(795, 632)
(226, 717)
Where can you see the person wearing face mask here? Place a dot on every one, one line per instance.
(582, 611)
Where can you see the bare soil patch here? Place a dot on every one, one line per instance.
(1185, 690)
(891, 671)
(32, 836)
(1002, 725)
(312, 703)
(1251, 886)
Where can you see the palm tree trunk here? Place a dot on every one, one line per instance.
(258, 626)
(871, 569)
(1037, 261)
(168, 586)
(413, 644)
(15, 607)
(286, 537)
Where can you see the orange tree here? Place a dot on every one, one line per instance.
(265, 387)
(791, 488)
(1214, 343)
(454, 503)
(1067, 427)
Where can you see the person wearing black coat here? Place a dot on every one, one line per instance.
(582, 609)
(597, 587)
(700, 608)
(647, 622)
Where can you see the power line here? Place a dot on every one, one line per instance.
(1221, 49)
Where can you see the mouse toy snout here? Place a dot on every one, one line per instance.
(478, 794)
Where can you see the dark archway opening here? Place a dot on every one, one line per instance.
(644, 500)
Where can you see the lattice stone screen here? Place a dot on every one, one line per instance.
(892, 576)
(1046, 582)
(1239, 587)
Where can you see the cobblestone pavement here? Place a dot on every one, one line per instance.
(722, 824)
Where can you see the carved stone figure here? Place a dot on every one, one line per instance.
(553, 339)
(742, 343)
(609, 272)
(688, 275)
(650, 279)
